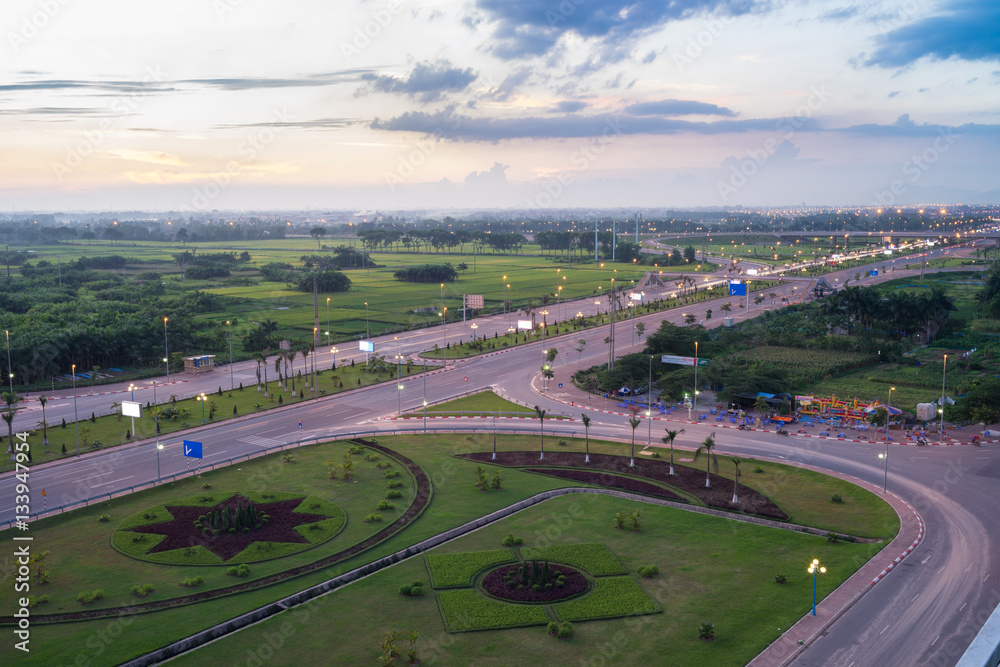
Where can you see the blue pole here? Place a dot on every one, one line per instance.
(815, 573)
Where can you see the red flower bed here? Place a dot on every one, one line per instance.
(494, 584)
(181, 532)
(686, 479)
(611, 481)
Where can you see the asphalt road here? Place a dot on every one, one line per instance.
(925, 612)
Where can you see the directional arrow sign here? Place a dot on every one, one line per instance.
(192, 449)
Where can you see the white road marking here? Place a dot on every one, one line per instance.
(883, 630)
(985, 578)
(924, 561)
(94, 486)
(259, 441)
(935, 640)
(963, 606)
(914, 597)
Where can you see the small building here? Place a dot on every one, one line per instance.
(200, 364)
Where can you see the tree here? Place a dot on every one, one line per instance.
(182, 236)
(689, 254)
(541, 428)
(761, 405)
(736, 481)
(634, 422)
(264, 354)
(640, 329)
(580, 344)
(317, 233)
(585, 418)
(668, 439)
(10, 400)
(45, 426)
(260, 358)
(727, 306)
(708, 446)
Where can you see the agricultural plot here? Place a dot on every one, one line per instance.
(812, 362)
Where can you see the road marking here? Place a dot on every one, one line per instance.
(94, 486)
(963, 606)
(986, 577)
(217, 453)
(915, 597)
(924, 561)
(935, 640)
(259, 441)
(64, 474)
(883, 630)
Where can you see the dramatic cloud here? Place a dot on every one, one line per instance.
(967, 30)
(526, 28)
(426, 82)
(568, 106)
(678, 108)
(905, 127)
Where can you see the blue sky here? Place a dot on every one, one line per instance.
(528, 104)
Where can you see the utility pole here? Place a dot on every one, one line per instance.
(316, 312)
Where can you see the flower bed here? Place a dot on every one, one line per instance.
(458, 570)
(608, 480)
(493, 583)
(688, 480)
(612, 597)
(465, 610)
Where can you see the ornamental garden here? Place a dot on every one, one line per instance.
(580, 577)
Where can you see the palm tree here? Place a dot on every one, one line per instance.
(669, 440)
(264, 354)
(585, 418)
(260, 359)
(10, 399)
(634, 422)
(45, 426)
(736, 462)
(707, 446)
(277, 368)
(541, 428)
(304, 351)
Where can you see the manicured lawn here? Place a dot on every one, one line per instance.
(457, 570)
(466, 610)
(612, 597)
(594, 558)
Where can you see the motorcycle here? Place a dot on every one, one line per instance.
(744, 427)
(782, 431)
(921, 441)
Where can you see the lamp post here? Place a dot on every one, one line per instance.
(232, 380)
(315, 381)
(166, 351)
(399, 382)
(444, 333)
(10, 369)
(367, 334)
(76, 417)
(328, 321)
(696, 380)
(649, 407)
(425, 393)
(814, 569)
(944, 369)
(503, 290)
(131, 388)
(885, 457)
(334, 350)
(473, 326)
(156, 421)
(201, 398)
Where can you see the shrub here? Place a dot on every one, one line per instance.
(373, 518)
(385, 505)
(104, 518)
(553, 628)
(416, 591)
(565, 630)
(392, 474)
(405, 589)
(620, 519)
(206, 485)
(780, 579)
(240, 571)
(394, 484)
(536, 587)
(141, 537)
(758, 469)
(837, 498)
(647, 572)
(372, 457)
(193, 582)
(35, 601)
(88, 597)
(382, 465)
(508, 540)
(393, 493)
(706, 631)
(563, 443)
(635, 519)
(141, 590)
(832, 538)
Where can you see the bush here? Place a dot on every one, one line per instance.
(563, 443)
(405, 589)
(758, 469)
(394, 484)
(780, 579)
(837, 498)
(104, 518)
(373, 518)
(35, 601)
(240, 571)
(206, 485)
(706, 631)
(648, 572)
(832, 538)
(416, 591)
(88, 597)
(142, 590)
(565, 630)
(391, 474)
(385, 505)
(553, 628)
(393, 493)
(194, 582)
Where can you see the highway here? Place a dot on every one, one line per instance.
(925, 613)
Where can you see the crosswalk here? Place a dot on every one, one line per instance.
(260, 441)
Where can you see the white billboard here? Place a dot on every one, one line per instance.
(366, 346)
(751, 272)
(524, 325)
(131, 409)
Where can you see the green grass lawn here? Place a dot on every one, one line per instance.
(697, 553)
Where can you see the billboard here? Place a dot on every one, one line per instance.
(474, 301)
(683, 361)
(131, 409)
(635, 296)
(524, 325)
(752, 272)
(366, 346)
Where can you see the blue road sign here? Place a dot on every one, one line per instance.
(737, 289)
(873, 273)
(560, 385)
(192, 449)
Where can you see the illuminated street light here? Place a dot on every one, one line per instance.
(814, 569)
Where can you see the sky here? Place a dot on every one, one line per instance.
(198, 105)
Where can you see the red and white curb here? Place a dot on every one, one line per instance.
(909, 549)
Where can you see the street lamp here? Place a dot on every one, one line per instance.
(367, 334)
(131, 388)
(814, 569)
(649, 408)
(696, 380)
(334, 350)
(232, 381)
(201, 399)
(399, 383)
(503, 289)
(76, 417)
(944, 369)
(444, 333)
(425, 392)
(10, 369)
(327, 320)
(156, 421)
(473, 326)
(885, 457)
(166, 351)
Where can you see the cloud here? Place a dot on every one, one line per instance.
(678, 108)
(53, 111)
(967, 30)
(152, 157)
(497, 175)
(841, 14)
(893, 94)
(83, 85)
(426, 82)
(528, 28)
(568, 106)
(448, 125)
(510, 85)
(315, 124)
(904, 126)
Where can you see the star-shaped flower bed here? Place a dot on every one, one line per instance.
(180, 532)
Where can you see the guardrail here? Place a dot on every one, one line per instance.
(984, 651)
(86, 502)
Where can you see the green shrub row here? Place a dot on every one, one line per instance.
(612, 597)
(457, 570)
(594, 558)
(468, 610)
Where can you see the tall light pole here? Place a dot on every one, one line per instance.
(76, 417)
(944, 369)
(558, 288)
(156, 422)
(328, 321)
(503, 289)
(166, 351)
(201, 398)
(315, 382)
(367, 334)
(425, 392)
(131, 388)
(649, 406)
(814, 569)
(444, 333)
(334, 350)
(696, 380)
(885, 457)
(232, 381)
(10, 369)
(399, 382)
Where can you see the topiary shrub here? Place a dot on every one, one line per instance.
(373, 518)
(553, 628)
(405, 589)
(565, 630)
(104, 518)
(87, 597)
(836, 498)
(385, 505)
(393, 493)
(240, 571)
(193, 582)
(648, 572)
(394, 484)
